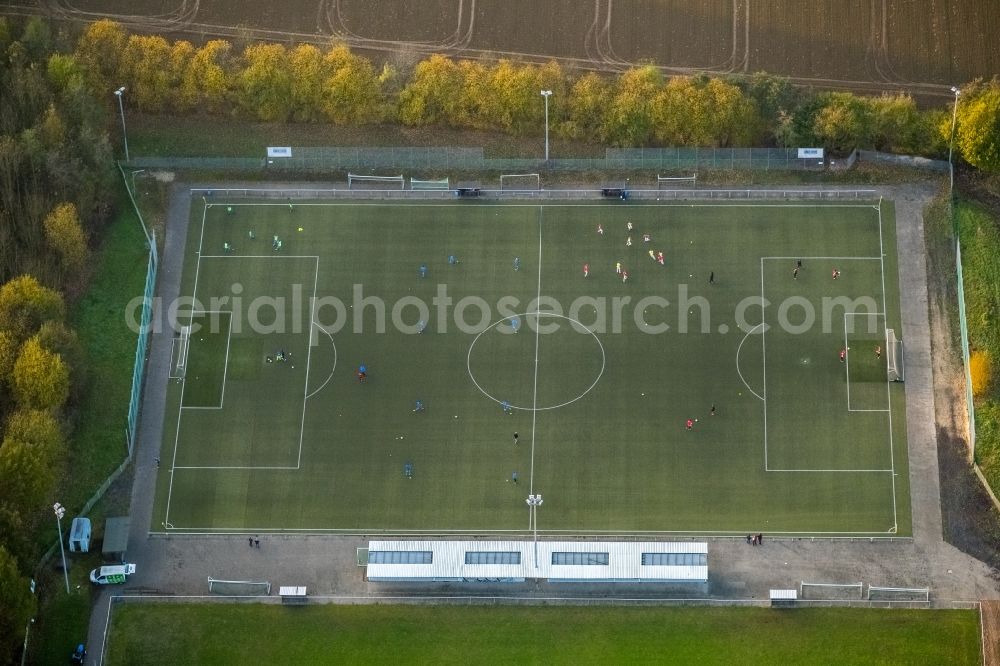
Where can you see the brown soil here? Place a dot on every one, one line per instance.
(991, 632)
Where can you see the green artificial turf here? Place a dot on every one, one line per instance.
(226, 634)
(601, 416)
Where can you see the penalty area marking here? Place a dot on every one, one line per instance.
(749, 333)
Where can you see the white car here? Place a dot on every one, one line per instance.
(112, 575)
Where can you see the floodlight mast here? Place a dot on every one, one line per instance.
(121, 110)
(546, 94)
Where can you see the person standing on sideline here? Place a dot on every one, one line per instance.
(250, 541)
(843, 355)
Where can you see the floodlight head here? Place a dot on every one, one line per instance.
(546, 93)
(120, 91)
(956, 91)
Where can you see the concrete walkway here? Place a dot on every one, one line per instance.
(180, 565)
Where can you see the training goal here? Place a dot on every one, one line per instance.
(239, 588)
(354, 179)
(831, 591)
(905, 594)
(520, 182)
(442, 184)
(675, 182)
(181, 344)
(894, 356)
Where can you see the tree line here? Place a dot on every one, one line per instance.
(55, 188)
(639, 107)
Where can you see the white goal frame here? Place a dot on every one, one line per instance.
(915, 591)
(183, 341)
(537, 177)
(672, 180)
(895, 367)
(352, 177)
(442, 184)
(860, 586)
(249, 583)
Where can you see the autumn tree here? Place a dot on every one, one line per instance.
(844, 122)
(351, 90)
(25, 305)
(587, 100)
(628, 120)
(17, 607)
(432, 95)
(99, 51)
(205, 81)
(264, 84)
(64, 234)
(40, 379)
(977, 135)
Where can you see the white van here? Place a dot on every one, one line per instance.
(112, 575)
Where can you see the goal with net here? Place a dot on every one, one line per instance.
(520, 182)
(442, 184)
(180, 353)
(894, 356)
(831, 591)
(674, 182)
(239, 588)
(375, 181)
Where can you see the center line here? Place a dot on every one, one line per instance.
(534, 398)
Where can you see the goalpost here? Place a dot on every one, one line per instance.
(529, 178)
(442, 184)
(183, 343)
(831, 590)
(356, 178)
(911, 594)
(894, 356)
(239, 588)
(671, 182)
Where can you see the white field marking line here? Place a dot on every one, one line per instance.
(763, 360)
(225, 369)
(848, 359)
(305, 388)
(738, 358)
(534, 397)
(847, 366)
(334, 368)
(883, 471)
(180, 408)
(260, 256)
(844, 258)
(888, 388)
(555, 204)
(272, 467)
(386, 531)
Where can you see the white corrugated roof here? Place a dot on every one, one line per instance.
(624, 561)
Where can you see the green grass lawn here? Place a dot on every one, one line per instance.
(228, 634)
(800, 442)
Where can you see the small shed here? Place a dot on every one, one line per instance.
(79, 535)
(116, 538)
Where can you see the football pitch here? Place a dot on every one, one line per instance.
(731, 385)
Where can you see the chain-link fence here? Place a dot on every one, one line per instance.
(444, 159)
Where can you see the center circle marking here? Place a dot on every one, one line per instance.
(538, 315)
